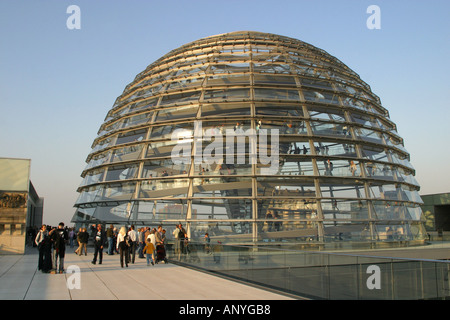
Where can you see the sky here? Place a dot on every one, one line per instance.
(57, 83)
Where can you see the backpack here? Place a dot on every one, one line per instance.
(128, 241)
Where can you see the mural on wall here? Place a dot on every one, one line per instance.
(12, 200)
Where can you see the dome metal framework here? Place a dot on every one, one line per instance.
(342, 171)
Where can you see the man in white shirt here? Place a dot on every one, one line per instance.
(133, 238)
(177, 242)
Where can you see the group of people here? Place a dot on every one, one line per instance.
(126, 242)
(51, 243)
(145, 242)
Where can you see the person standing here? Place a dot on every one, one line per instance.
(207, 243)
(43, 243)
(72, 236)
(159, 236)
(122, 246)
(99, 242)
(141, 242)
(182, 238)
(352, 168)
(116, 233)
(110, 237)
(177, 242)
(77, 251)
(148, 250)
(133, 243)
(84, 238)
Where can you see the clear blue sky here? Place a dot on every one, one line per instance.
(56, 84)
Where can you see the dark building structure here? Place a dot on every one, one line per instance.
(436, 208)
(21, 209)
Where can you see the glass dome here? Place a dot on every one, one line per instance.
(252, 137)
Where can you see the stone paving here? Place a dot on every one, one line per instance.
(20, 280)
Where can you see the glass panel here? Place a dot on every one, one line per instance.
(98, 159)
(261, 67)
(301, 211)
(164, 148)
(223, 169)
(316, 83)
(374, 153)
(274, 79)
(180, 98)
(340, 230)
(165, 132)
(386, 191)
(330, 129)
(343, 191)
(126, 153)
(224, 187)
(159, 210)
(89, 194)
(404, 175)
(354, 91)
(105, 143)
(185, 83)
(410, 194)
(110, 127)
(221, 110)
(226, 94)
(137, 119)
(414, 212)
(289, 146)
(365, 120)
(216, 127)
(176, 113)
(294, 166)
(335, 149)
(92, 177)
(120, 112)
(228, 79)
(379, 171)
(163, 168)
(394, 142)
(230, 68)
(369, 135)
(235, 231)
(387, 210)
(146, 104)
(282, 110)
(116, 212)
(145, 92)
(164, 188)
(391, 232)
(272, 56)
(283, 127)
(131, 136)
(292, 187)
(338, 168)
(401, 159)
(323, 97)
(121, 173)
(276, 94)
(343, 209)
(117, 192)
(318, 112)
